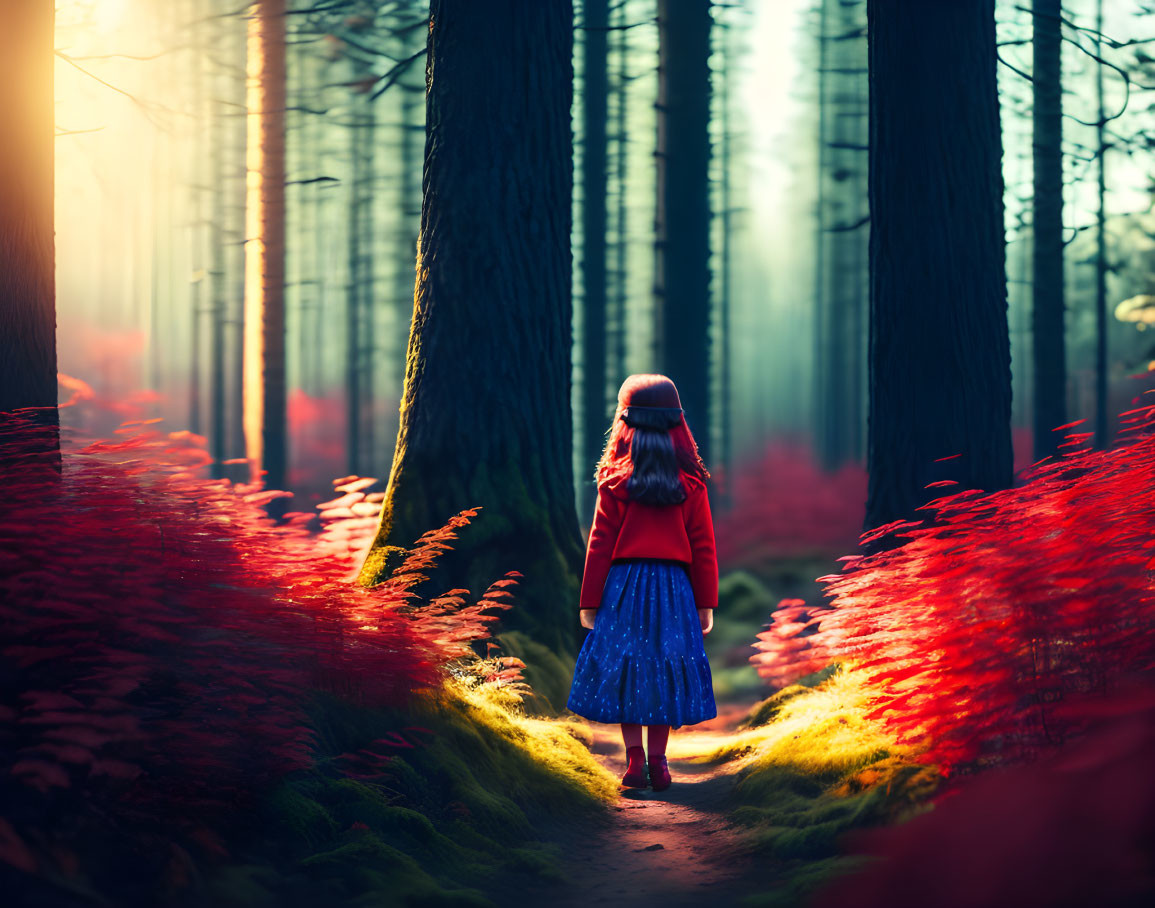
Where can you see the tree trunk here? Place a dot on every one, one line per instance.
(820, 314)
(265, 416)
(682, 224)
(359, 293)
(724, 458)
(595, 89)
(485, 415)
(27, 244)
(1050, 360)
(217, 113)
(409, 210)
(619, 331)
(1102, 425)
(940, 377)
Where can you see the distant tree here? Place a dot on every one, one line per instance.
(617, 327)
(264, 375)
(485, 414)
(841, 274)
(27, 265)
(1050, 358)
(682, 222)
(940, 376)
(595, 93)
(1102, 425)
(359, 294)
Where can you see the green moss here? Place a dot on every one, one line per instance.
(792, 883)
(813, 768)
(243, 886)
(295, 811)
(459, 815)
(548, 674)
(743, 598)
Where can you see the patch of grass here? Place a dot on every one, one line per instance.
(810, 768)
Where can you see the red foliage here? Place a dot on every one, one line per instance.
(160, 635)
(974, 633)
(1073, 829)
(785, 506)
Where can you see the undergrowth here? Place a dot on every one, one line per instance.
(811, 768)
(199, 707)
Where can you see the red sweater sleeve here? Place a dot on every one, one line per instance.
(704, 567)
(600, 550)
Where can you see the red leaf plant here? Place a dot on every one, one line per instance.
(973, 635)
(785, 506)
(1073, 828)
(160, 634)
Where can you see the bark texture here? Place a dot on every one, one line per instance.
(485, 412)
(682, 224)
(27, 244)
(596, 409)
(1050, 357)
(940, 377)
(265, 405)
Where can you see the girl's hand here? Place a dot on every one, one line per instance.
(706, 616)
(587, 617)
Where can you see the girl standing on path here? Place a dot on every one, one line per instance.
(650, 585)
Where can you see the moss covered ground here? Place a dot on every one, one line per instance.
(454, 818)
(460, 798)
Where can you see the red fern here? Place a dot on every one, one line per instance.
(162, 636)
(976, 631)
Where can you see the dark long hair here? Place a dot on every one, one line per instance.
(650, 441)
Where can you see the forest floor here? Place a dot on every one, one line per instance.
(672, 848)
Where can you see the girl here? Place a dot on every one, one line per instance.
(651, 581)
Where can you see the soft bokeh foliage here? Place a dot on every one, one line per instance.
(973, 635)
(785, 506)
(163, 637)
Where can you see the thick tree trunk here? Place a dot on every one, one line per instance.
(940, 378)
(1050, 359)
(682, 224)
(27, 244)
(485, 415)
(595, 89)
(265, 416)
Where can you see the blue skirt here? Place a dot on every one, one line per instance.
(644, 660)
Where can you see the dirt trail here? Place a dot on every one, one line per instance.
(671, 848)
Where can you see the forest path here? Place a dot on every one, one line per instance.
(671, 848)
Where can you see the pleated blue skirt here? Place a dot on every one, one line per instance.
(644, 660)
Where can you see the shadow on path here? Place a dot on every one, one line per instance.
(672, 848)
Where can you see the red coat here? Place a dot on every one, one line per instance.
(629, 529)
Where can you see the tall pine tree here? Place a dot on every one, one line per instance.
(485, 413)
(940, 374)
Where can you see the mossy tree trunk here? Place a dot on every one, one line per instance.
(27, 245)
(485, 412)
(940, 374)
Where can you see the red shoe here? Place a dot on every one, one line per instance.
(659, 773)
(635, 776)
